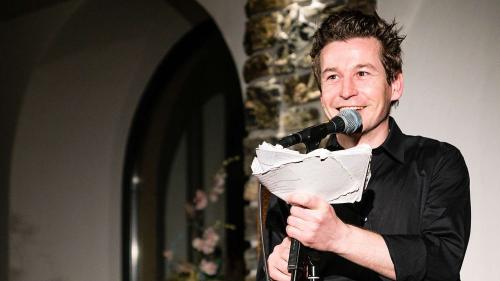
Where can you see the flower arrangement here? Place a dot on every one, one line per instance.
(207, 259)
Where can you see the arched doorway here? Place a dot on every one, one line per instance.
(189, 120)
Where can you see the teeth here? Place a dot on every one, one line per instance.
(351, 107)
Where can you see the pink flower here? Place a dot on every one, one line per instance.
(215, 193)
(208, 243)
(210, 240)
(218, 184)
(207, 248)
(214, 197)
(168, 254)
(218, 189)
(208, 267)
(200, 200)
(198, 244)
(219, 180)
(211, 236)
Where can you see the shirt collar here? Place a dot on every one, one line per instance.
(393, 144)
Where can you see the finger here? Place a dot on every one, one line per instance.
(285, 249)
(281, 250)
(282, 266)
(299, 222)
(287, 242)
(283, 253)
(306, 200)
(302, 213)
(278, 275)
(293, 232)
(278, 268)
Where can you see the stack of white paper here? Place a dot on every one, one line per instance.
(337, 176)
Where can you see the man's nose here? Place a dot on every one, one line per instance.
(348, 89)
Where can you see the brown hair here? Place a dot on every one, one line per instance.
(349, 24)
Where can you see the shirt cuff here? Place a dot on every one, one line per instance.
(408, 254)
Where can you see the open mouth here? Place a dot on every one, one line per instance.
(351, 107)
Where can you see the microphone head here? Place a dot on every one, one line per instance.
(352, 121)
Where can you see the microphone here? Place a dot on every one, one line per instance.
(346, 122)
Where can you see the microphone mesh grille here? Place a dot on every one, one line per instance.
(352, 121)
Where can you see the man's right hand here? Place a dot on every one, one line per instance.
(277, 262)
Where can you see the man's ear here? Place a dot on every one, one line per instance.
(397, 87)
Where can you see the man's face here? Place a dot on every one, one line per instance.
(353, 77)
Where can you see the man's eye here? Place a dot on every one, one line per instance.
(332, 77)
(363, 73)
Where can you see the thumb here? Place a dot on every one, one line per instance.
(306, 200)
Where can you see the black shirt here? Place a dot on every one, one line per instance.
(417, 199)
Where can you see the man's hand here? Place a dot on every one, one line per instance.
(313, 222)
(277, 262)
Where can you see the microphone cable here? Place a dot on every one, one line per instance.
(261, 229)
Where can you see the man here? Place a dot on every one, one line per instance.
(413, 222)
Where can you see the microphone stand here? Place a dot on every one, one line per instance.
(299, 266)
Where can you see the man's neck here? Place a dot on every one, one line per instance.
(375, 137)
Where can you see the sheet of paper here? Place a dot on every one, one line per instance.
(337, 176)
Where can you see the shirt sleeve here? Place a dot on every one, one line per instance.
(438, 251)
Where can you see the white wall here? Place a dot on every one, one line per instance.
(230, 18)
(452, 77)
(67, 162)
